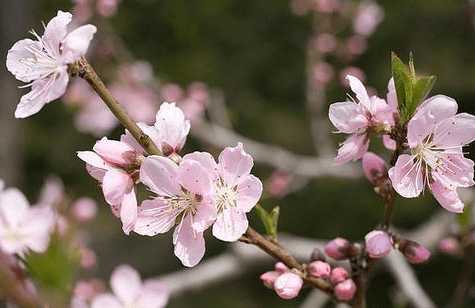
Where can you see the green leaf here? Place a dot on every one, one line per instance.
(269, 220)
(57, 267)
(421, 89)
(402, 82)
(464, 218)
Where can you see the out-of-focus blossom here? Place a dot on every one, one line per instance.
(129, 291)
(327, 6)
(138, 100)
(22, 227)
(185, 197)
(359, 119)
(368, 17)
(450, 246)
(300, 7)
(44, 62)
(52, 192)
(356, 45)
(278, 183)
(88, 258)
(115, 165)
(107, 8)
(353, 71)
(172, 92)
(323, 73)
(319, 269)
(436, 135)
(375, 168)
(237, 191)
(325, 42)
(378, 243)
(87, 290)
(345, 290)
(84, 209)
(414, 252)
(288, 285)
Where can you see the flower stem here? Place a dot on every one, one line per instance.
(271, 248)
(83, 69)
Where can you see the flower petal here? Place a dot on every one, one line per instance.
(154, 294)
(22, 63)
(234, 163)
(128, 211)
(189, 244)
(352, 148)
(249, 191)
(14, 207)
(361, 94)
(115, 185)
(230, 225)
(160, 175)
(406, 177)
(155, 216)
(172, 125)
(446, 196)
(125, 282)
(194, 177)
(106, 300)
(455, 131)
(55, 31)
(37, 228)
(207, 161)
(75, 44)
(347, 117)
(116, 152)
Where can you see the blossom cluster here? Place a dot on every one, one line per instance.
(436, 135)
(192, 193)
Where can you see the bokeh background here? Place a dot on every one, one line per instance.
(256, 54)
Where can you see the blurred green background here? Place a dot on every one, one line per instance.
(255, 52)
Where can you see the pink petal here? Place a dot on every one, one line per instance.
(14, 207)
(406, 177)
(189, 244)
(389, 143)
(347, 117)
(154, 294)
(172, 125)
(93, 159)
(207, 161)
(150, 131)
(155, 216)
(373, 166)
(194, 178)
(230, 225)
(249, 191)
(43, 91)
(125, 282)
(358, 88)
(160, 174)
(25, 71)
(234, 163)
(429, 113)
(446, 196)
(75, 44)
(455, 131)
(352, 149)
(128, 211)
(116, 152)
(115, 185)
(38, 226)
(55, 31)
(205, 214)
(106, 300)
(456, 170)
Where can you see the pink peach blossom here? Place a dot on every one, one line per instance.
(44, 62)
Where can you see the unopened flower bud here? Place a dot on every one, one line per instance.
(414, 252)
(288, 285)
(319, 269)
(374, 168)
(339, 249)
(268, 278)
(317, 255)
(450, 246)
(345, 290)
(281, 267)
(378, 244)
(338, 275)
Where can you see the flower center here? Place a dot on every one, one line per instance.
(226, 197)
(184, 204)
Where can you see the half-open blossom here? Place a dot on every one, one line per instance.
(185, 198)
(114, 164)
(22, 227)
(129, 291)
(436, 135)
(44, 63)
(378, 244)
(237, 191)
(359, 119)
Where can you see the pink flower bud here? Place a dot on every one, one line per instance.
(338, 274)
(319, 269)
(450, 246)
(288, 285)
(414, 252)
(281, 268)
(344, 291)
(374, 168)
(278, 183)
(84, 209)
(317, 255)
(339, 249)
(268, 278)
(378, 244)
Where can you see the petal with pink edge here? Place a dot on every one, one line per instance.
(160, 174)
(116, 152)
(249, 191)
(352, 149)
(128, 211)
(125, 282)
(230, 225)
(406, 177)
(189, 244)
(115, 185)
(155, 216)
(446, 196)
(455, 131)
(234, 163)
